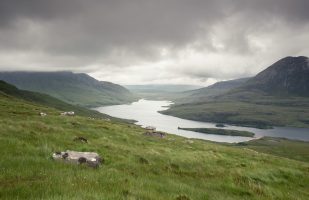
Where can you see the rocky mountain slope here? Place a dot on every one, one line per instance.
(289, 75)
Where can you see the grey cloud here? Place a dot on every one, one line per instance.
(95, 35)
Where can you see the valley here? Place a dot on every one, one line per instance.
(154, 100)
(148, 113)
(172, 167)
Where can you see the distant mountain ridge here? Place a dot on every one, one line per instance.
(201, 94)
(219, 87)
(161, 88)
(75, 88)
(230, 84)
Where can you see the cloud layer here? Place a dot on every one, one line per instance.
(152, 41)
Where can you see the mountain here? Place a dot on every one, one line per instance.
(161, 88)
(224, 85)
(288, 76)
(280, 90)
(160, 91)
(46, 100)
(218, 88)
(74, 88)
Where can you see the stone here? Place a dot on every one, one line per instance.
(91, 159)
(42, 114)
(69, 113)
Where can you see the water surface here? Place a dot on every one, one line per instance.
(145, 112)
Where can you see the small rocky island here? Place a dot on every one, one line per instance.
(218, 131)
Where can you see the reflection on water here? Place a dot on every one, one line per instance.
(145, 112)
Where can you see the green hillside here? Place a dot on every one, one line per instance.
(135, 166)
(282, 147)
(46, 100)
(262, 101)
(260, 112)
(78, 89)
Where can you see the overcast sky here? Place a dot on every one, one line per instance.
(152, 41)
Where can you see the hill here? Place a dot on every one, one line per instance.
(46, 100)
(292, 149)
(288, 76)
(201, 94)
(135, 166)
(74, 88)
(261, 101)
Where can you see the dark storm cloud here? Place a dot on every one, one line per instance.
(95, 36)
(11, 10)
(92, 26)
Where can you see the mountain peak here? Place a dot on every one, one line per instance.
(290, 60)
(295, 57)
(289, 75)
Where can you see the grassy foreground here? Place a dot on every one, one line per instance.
(136, 166)
(218, 131)
(292, 149)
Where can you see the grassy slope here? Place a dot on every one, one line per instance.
(257, 111)
(277, 96)
(136, 166)
(292, 149)
(47, 100)
(73, 88)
